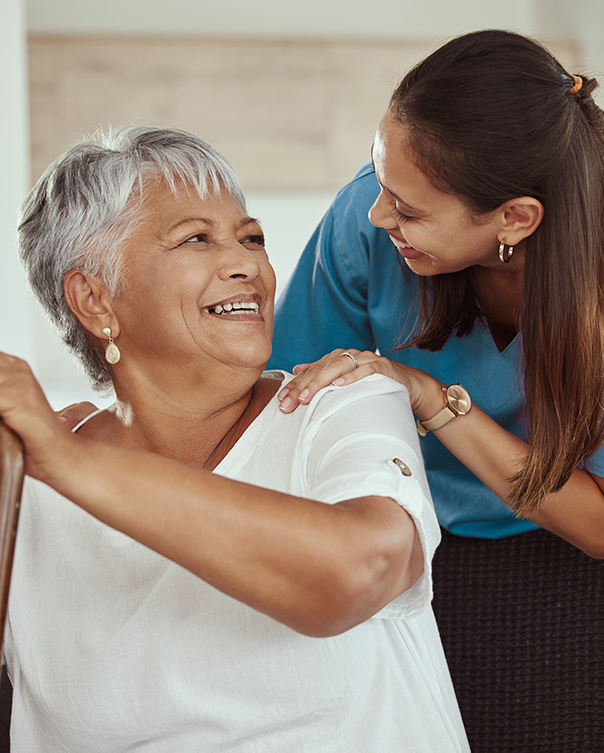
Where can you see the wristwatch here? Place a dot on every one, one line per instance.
(457, 403)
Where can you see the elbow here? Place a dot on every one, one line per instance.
(593, 549)
(590, 542)
(354, 585)
(328, 619)
(349, 598)
(330, 612)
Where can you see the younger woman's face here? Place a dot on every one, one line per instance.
(433, 231)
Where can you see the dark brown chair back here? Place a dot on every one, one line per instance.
(11, 485)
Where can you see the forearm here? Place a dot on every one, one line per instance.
(318, 568)
(495, 456)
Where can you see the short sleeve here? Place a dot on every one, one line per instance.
(361, 441)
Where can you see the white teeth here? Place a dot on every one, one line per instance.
(235, 306)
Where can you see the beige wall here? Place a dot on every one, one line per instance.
(289, 114)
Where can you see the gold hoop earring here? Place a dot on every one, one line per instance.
(504, 256)
(112, 352)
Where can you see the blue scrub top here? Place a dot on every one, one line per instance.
(351, 289)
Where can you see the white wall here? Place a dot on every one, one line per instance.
(356, 18)
(430, 19)
(16, 325)
(582, 20)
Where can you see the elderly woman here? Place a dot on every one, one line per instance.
(229, 578)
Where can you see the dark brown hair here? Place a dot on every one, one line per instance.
(490, 117)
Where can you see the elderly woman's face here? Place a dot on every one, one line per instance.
(198, 286)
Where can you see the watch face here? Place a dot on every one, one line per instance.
(459, 399)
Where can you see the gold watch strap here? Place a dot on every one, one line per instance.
(448, 413)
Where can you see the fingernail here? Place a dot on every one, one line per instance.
(63, 419)
(303, 395)
(339, 382)
(285, 403)
(283, 394)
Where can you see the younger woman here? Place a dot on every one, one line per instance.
(487, 189)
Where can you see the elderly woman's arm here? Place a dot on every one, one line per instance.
(318, 568)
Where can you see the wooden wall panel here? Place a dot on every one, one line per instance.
(288, 114)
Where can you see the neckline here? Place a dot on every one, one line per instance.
(512, 345)
(286, 377)
(252, 428)
(239, 429)
(87, 418)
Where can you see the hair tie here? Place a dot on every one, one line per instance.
(577, 85)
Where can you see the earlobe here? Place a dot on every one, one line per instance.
(88, 298)
(521, 217)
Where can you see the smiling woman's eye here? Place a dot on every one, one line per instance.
(198, 238)
(400, 216)
(254, 241)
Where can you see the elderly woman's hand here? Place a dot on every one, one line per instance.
(342, 367)
(24, 409)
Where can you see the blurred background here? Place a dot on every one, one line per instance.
(291, 92)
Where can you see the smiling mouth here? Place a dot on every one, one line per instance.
(405, 250)
(235, 307)
(399, 242)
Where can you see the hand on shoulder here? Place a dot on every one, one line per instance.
(342, 367)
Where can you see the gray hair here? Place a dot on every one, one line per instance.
(88, 202)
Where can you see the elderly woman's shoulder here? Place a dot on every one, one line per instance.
(377, 396)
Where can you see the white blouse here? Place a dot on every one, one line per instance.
(112, 647)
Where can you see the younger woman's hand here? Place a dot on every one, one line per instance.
(339, 368)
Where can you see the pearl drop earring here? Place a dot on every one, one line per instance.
(112, 352)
